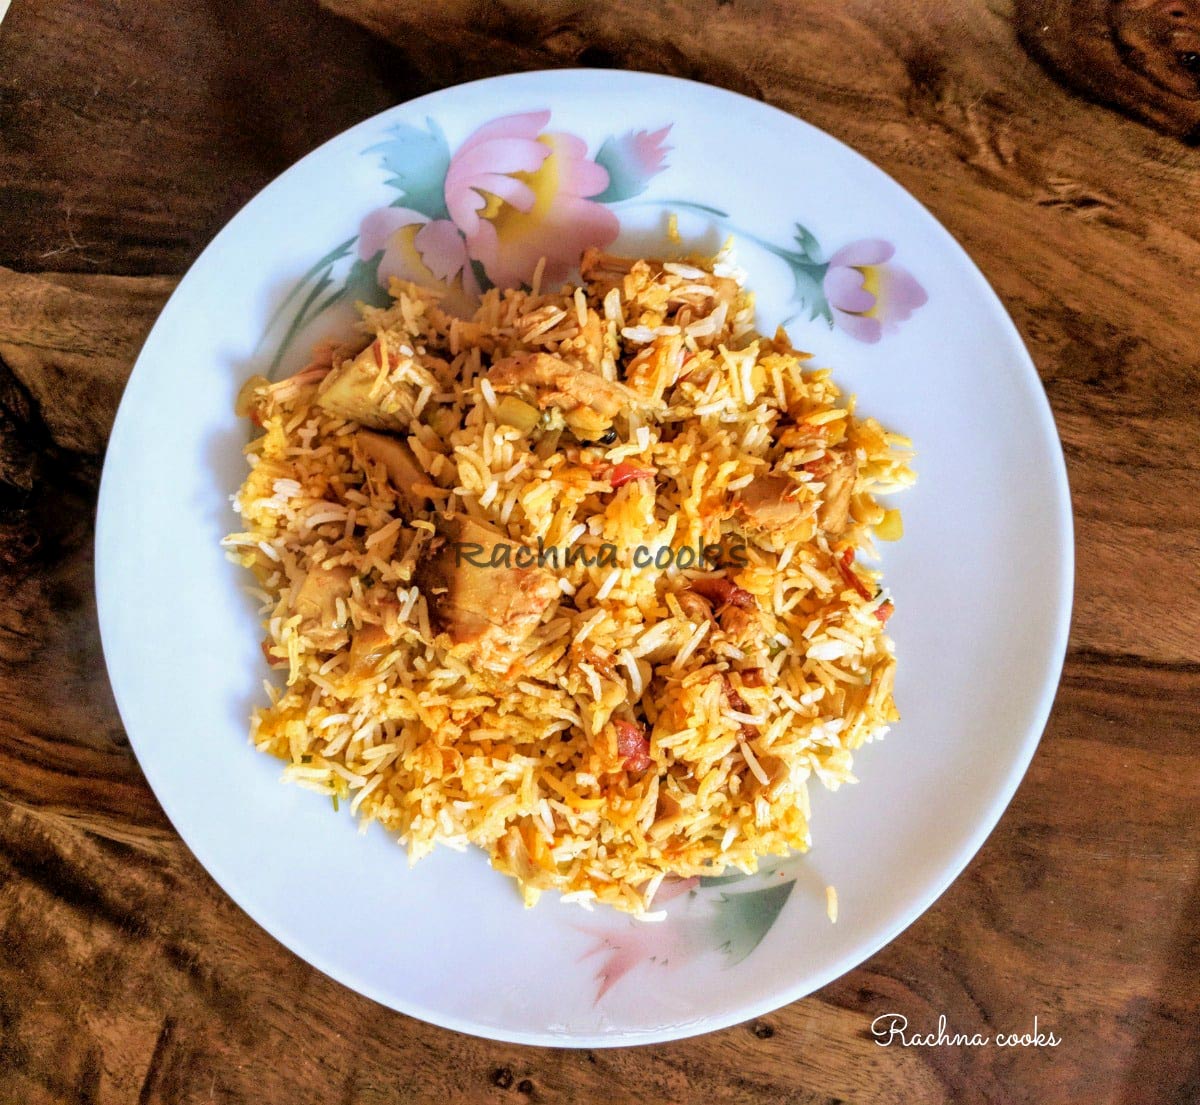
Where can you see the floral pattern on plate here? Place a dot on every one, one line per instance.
(515, 195)
(731, 922)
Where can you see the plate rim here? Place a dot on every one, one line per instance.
(864, 948)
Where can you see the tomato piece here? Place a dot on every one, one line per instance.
(632, 745)
(621, 474)
(724, 592)
(844, 566)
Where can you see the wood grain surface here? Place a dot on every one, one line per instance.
(1056, 140)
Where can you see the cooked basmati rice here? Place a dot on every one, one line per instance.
(526, 753)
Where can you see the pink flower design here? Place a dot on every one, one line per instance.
(647, 150)
(485, 162)
(673, 888)
(426, 251)
(514, 195)
(867, 296)
(622, 950)
(520, 195)
(669, 944)
(631, 160)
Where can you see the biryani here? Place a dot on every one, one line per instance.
(584, 580)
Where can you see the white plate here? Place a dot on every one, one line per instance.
(982, 579)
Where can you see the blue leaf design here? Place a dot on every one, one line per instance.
(418, 160)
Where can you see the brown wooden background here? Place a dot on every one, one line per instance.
(1057, 140)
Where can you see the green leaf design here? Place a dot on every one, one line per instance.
(624, 182)
(809, 246)
(689, 205)
(742, 920)
(302, 317)
(331, 258)
(418, 161)
(721, 880)
(362, 284)
(631, 160)
(769, 867)
(808, 289)
(481, 275)
(808, 272)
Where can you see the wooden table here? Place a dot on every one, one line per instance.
(1057, 141)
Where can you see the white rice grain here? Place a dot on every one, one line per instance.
(693, 643)
(827, 649)
(605, 589)
(752, 763)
